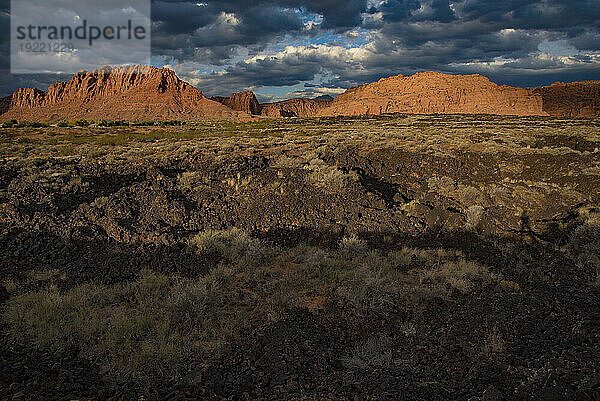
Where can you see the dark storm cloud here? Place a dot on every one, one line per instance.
(472, 18)
(416, 10)
(211, 32)
(284, 71)
(417, 35)
(176, 18)
(180, 26)
(530, 14)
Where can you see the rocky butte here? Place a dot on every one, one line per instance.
(243, 101)
(131, 93)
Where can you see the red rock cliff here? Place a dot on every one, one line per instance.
(577, 99)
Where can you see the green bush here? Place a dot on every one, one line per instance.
(118, 124)
(78, 123)
(27, 124)
(171, 123)
(143, 124)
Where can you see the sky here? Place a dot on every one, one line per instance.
(310, 48)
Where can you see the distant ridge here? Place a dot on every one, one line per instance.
(296, 107)
(149, 93)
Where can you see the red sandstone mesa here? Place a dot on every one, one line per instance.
(431, 92)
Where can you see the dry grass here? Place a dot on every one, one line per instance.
(464, 276)
(374, 353)
(151, 327)
(135, 331)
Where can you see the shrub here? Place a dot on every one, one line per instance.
(234, 245)
(190, 180)
(443, 184)
(351, 247)
(27, 124)
(473, 216)
(464, 276)
(329, 177)
(428, 258)
(374, 353)
(144, 124)
(170, 123)
(369, 292)
(494, 343)
(78, 123)
(313, 258)
(510, 286)
(121, 123)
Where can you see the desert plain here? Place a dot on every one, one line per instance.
(399, 256)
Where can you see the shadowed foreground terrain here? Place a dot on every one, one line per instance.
(398, 257)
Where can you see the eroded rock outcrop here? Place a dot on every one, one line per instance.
(432, 92)
(244, 101)
(132, 93)
(27, 98)
(576, 99)
(296, 107)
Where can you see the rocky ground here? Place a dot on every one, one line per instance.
(398, 257)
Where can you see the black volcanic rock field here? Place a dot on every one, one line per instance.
(398, 257)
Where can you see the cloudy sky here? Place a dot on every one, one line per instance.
(281, 49)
